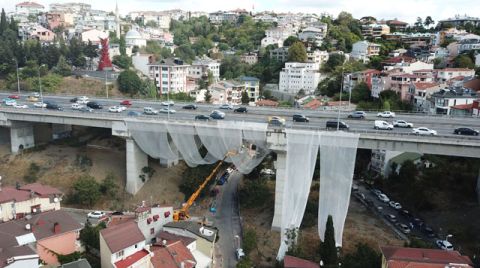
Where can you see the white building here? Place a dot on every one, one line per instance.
(409, 67)
(469, 42)
(28, 8)
(444, 100)
(162, 19)
(201, 66)
(296, 76)
(220, 16)
(363, 50)
(141, 62)
(276, 36)
(317, 56)
(313, 34)
(94, 36)
(446, 74)
(134, 38)
(170, 75)
(477, 60)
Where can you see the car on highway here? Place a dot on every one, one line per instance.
(406, 213)
(386, 114)
(82, 100)
(40, 105)
(216, 114)
(382, 125)
(126, 103)
(375, 191)
(240, 110)
(190, 107)
(150, 111)
(14, 96)
(226, 107)
(77, 106)
(74, 99)
(167, 110)
(35, 94)
(115, 109)
(32, 98)
(96, 214)
(86, 109)
(9, 102)
(358, 114)
(404, 228)
(424, 131)
(383, 197)
(300, 118)
(20, 106)
(276, 121)
(391, 217)
(334, 124)
(444, 244)
(134, 113)
(202, 117)
(53, 106)
(94, 105)
(402, 123)
(465, 131)
(395, 205)
(167, 103)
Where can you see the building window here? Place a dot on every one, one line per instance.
(152, 231)
(119, 254)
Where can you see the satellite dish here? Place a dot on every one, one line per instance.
(27, 226)
(56, 200)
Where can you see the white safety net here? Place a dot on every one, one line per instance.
(302, 151)
(183, 135)
(152, 138)
(337, 162)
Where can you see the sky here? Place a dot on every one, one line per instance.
(405, 10)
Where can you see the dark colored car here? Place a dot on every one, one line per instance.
(202, 117)
(357, 114)
(53, 106)
(94, 105)
(335, 123)
(117, 213)
(240, 110)
(465, 131)
(74, 100)
(190, 107)
(300, 118)
(134, 113)
(217, 115)
(428, 231)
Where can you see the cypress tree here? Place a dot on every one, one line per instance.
(3, 22)
(329, 250)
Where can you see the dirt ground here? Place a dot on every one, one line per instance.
(86, 86)
(360, 226)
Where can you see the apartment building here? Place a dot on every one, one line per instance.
(296, 76)
(277, 35)
(29, 8)
(252, 86)
(447, 74)
(222, 16)
(353, 79)
(170, 75)
(396, 25)
(460, 20)
(314, 34)
(249, 58)
(202, 66)
(363, 50)
(375, 30)
(422, 93)
(279, 54)
(400, 82)
(446, 99)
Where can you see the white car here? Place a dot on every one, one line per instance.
(226, 107)
(395, 205)
(20, 106)
(149, 111)
(96, 214)
(40, 105)
(444, 244)
(10, 102)
(267, 171)
(82, 100)
(379, 124)
(168, 103)
(77, 106)
(404, 228)
(239, 253)
(386, 114)
(167, 110)
(35, 94)
(383, 198)
(122, 107)
(115, 109)
(402, 123)
(424, 131)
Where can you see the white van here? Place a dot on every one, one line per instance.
(379, 124)
(150, 111)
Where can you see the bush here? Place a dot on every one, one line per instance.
(83, 162)
(129, 82)
(86, 191)
(32, 173)
(109, 187)
(193, 177)
(249, 241)
(254, 193)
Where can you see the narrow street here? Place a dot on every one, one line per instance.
(227, 220)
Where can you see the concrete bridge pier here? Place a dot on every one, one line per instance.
(277, 142)
(21, 136)
(136, 161)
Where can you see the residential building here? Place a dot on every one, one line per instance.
(406, 64)
(134, 38)
(277, 35)
(396, 25)
(44, 234)
(162, 18)
(252, 86)
(400, 82)
(353, 79)
(57, 19)
(280, 54)
(41, 34)
(313, 34)
(29, 8)
(399, 257)
(202, 66)
(317, 56)
(460, 20)
(382, 160)
(172, 255)
(296, 76)
(444, 75)
(363, 50)
(150, 220)
(227, 92)
(222, 16)
(170, 75)
(249, 58)
(375, 30)
(476, 108)
(294, 262)
(80, 263)
(93, 36)
(378, 85)
(26, 200)
(397, 61)
(422, 93)
(265, 17)
(445, 99)
(468, 43)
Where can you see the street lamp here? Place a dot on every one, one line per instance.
(340, 103)
(106, 86)
(40, 84)
(18, 77)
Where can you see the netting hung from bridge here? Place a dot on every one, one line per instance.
(337, 163)
(302, 151)
(152, 138)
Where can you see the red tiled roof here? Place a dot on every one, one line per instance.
(269, 103)
(42, 190)
(399, 59)
(294, 262)
(181, 254)
(424, 85)
(473, 84)
(314, 104)
(463, 106)
(130, 260)
(456, 70)
(8, 194)
(172, 238)
(122, 236)
(29, 4)
(117, 220)
(161, 258)
(142, 209)
(399, 256)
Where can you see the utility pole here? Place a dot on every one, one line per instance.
(340, 103)
(18, 78)
(40, 85)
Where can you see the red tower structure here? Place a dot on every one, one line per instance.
(105, 61)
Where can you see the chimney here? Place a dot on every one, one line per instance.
(56, 228)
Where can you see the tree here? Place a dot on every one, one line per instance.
(464, 61)
(90, 237)
(245, 98)
(123, 46)
(63, 68)
(297, 52)
(109, 187)
(86, 191)
(360, 92)
(290, 41)
(3, 22)
(333, 61)
(122, 61)
(419, 24)
(208, 96)
(129, 82)
(152, 24)
(267, 94)
(364, 256)
(328, 247)
(249, 240)
(90, 50)
(428, 21)
(386, 105)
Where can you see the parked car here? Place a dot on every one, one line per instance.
(384, 125)
(424, 131)
(300, 118)
(334, 124)
(115, 109)
(74, 99)
(376, 191)
(428, 231)
(386, 114)
(444, 244)
(276, 121)
(226, 107)
(406, 213)
(77, 106)
(358, 114)
(94, 105)
(149, 111)
(168, 103)
(239, 254)
(167, 110)
(126, 103)
(32, 98)
(96, 214)
(134, 113)
(202, 117)
(465, 131)
(40, 105)
(190, 107)
(240, 110)
(53, 106)
(383, 198)
(402, 123)
(20, 106)
(391, 217)
(395, 205)
(418, 222)
(404, 228)
(14, 97)
(216, 114)
(267, 171)
(117, 213)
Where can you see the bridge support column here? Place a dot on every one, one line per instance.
(280, 180)
(136, 160)
(60, 131)
(21, 136)
(168, 163)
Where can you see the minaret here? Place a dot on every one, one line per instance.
(117, 20)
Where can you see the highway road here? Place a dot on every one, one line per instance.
(444, 125)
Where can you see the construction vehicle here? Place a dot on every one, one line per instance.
(182, 213)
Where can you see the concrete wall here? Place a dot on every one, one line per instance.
(280, 180)
(136, 160)
(105, 255)
(21, 136)
(8, 209)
